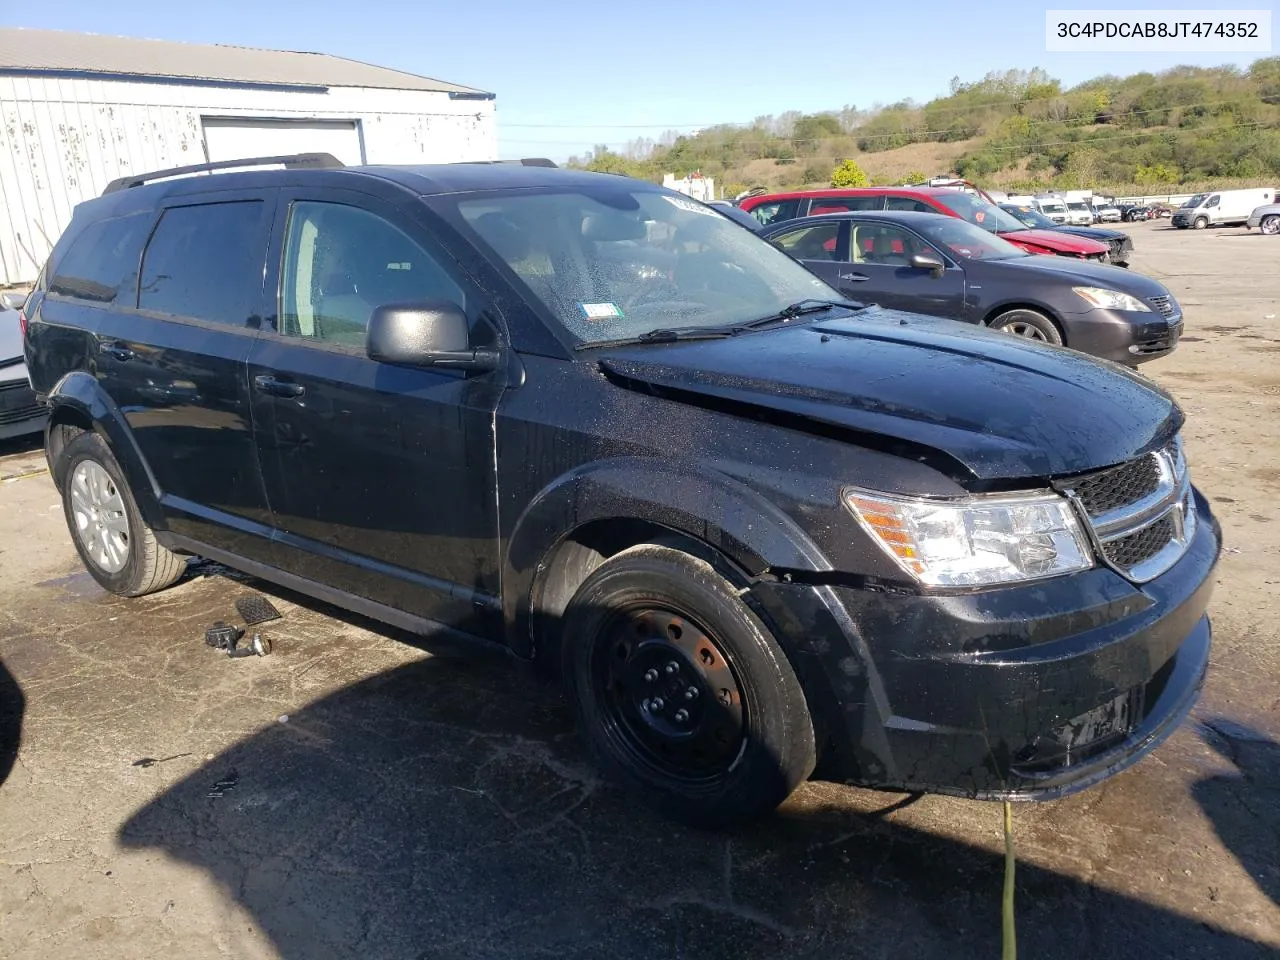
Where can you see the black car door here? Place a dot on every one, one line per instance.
(173, 360)
(381, 479)
(878, 270)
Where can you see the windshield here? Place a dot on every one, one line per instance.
(1078, 207)
(1051, 206)
(965, 240)
(1196, 200)
(977, 211)
(1029, 217)
(617, 261)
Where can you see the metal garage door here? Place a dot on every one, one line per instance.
(241, 137)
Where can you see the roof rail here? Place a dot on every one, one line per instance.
(524, 162)
(293, 162)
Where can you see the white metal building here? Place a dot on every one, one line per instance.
(79, 110)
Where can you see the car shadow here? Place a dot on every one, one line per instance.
(1242, 805)
(446, 810)
(12, 707)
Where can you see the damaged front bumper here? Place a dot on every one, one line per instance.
(1027, 692)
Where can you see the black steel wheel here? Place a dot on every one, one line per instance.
(684, 696)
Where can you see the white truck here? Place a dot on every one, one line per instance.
(1221, 207)
(1053, 207)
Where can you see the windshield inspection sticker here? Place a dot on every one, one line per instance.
(690, 205)
(601, 311)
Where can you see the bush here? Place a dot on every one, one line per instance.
(848, 174)
(815, 173)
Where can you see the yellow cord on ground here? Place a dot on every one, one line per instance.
(1009, 936)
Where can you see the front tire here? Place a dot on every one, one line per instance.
(1028, 324)
(116, 546)
(1270, 225)
(684, 696)
(1200, 223)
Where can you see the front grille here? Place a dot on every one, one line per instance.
(1141, 512)
(1164, 304)
(1139, 547)
(1118, 487)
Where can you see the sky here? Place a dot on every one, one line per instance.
(570, 77)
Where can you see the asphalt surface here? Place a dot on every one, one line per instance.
(363, 793)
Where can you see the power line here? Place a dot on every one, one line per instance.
(928, 136)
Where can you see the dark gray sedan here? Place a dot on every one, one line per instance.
(928, 263)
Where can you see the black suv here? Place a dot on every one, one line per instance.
(764, 533)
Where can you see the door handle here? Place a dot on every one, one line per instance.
(278, 388)
(855, 277)
(116, 350)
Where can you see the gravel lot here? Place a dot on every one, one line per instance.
(381, 796)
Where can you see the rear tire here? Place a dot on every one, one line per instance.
(684, 697)
(116, 546)
(1028, 324)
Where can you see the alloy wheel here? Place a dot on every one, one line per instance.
(101, 523)
(1026, 330)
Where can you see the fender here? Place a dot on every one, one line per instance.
(708, 506)
(81, 392)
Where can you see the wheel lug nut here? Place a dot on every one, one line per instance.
(682, 715)
(672, 668)
(691, 693)
(650, 675)
(657, 705)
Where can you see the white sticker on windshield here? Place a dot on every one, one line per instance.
(684, 203)
(601, 311)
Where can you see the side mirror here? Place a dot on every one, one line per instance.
(927, 261)
(433, 333)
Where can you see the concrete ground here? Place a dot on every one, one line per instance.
(363, 794)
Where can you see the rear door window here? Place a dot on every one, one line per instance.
(820, 241)
(844, 204)
(101, 265)
(205, 262)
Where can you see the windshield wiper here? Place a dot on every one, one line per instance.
(798, 309)
(663, 335)
(672, 334)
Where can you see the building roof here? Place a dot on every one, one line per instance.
(64, 53)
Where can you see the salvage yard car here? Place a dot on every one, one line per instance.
(940, 265)
(774, 208)
(20, 413)
(764, 533)
(1119, 243)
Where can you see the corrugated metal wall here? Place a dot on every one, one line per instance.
(63, 140)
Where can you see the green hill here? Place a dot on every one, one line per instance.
(1184, 128)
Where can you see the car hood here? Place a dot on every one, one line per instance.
(1093, 233)
(1054, 240)
(1085, 273)
(980, 406)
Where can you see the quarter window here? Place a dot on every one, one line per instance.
(101, 265)
(200, 262)
(341, 262)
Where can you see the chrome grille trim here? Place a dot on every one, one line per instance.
(1172, 501)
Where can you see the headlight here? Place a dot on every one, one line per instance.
(1111, 299)
(975, 542)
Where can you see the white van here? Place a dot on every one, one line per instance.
(1053, 208)
(1223, 206)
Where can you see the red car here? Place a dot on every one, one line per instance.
(772, 208)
